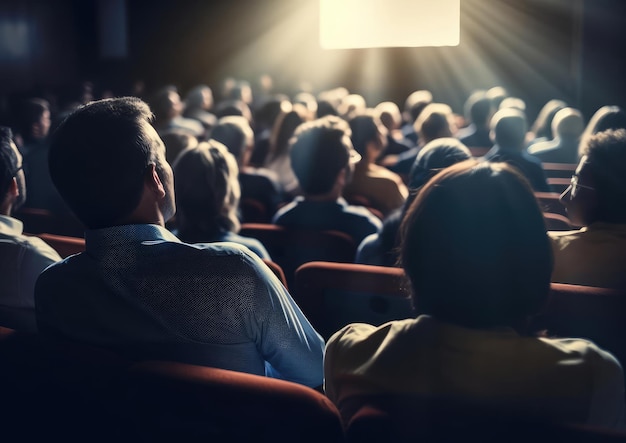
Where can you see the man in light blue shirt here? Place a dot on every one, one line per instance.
(137, 288)
(22, 258)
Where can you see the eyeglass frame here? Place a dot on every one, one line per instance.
(574, 185)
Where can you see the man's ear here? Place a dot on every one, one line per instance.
(14, 189)
(154, 182)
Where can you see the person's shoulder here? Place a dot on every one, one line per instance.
(362, 213)
(363, 335)
(586, 351)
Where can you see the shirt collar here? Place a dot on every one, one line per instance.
(102, 239)
(10, 225)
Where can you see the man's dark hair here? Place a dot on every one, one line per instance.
(8, 160)
(606, 158)
(98, 159)
(365, 128)
(319, 151)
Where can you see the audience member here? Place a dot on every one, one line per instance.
(595, 255)
(435, 121)
(168, 110)
(567, 127)
(383, 189)
(264, 119)
(322, 158)
(22, 258)
(260, 184)
(33, 122)
(278, 159)
(198, 103)
(541, 129)
(382, 248)
(508, 127)
(207, 197)
(478, 258)
(391, 118)
(478, 111)
(137, 288)
(176, 142)
(413, 107)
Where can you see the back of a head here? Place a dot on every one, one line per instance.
(435, 121)
(207, 191)
(98, 159)
(435, 156)
(389, 115)
(30, 113)
(542, 126)
(509, 128)
(165, 103)
(496, 94)
(199, 97)
(568, 124)
(235, 133)
(283, 130)
(606, 159)
(8, 160)
(365, 129)
(475, 247)
(320, 149)
(415, 104)
(478, 108)
(233, 107)
(513, 102)
(177, 141)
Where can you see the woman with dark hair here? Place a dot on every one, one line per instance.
(476, 252)
(207, 197)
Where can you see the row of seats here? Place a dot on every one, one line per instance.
(56, 390)
(333, 294)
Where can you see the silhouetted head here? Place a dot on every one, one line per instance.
(568, 124)
(283, 130)
(435, 121)
(235, 133)
(12, 182)
(103, 155)
(415, 104)
(369, 135)
(320, 151)
(508, 129)
(542, 126)
(34, 119)
(478, 109)
(475, 247)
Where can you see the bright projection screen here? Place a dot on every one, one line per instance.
(348, 24)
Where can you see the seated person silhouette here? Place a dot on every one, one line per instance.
(478, 258)
(478, 111)
(139, 290)
(207, 197)
(322, 158)
(508, 128)
(567, 126)
(595, 255)
(22, 258)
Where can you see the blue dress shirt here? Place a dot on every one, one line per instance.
(139, 290)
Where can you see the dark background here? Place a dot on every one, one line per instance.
(537, 49)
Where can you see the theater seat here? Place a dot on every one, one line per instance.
(597, 314)
(64, 245)
(180, 402)
(333, 295)
(290, 248)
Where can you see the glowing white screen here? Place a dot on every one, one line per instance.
(389, 23)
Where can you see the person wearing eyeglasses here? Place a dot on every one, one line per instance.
(22, 258)
(595, 255)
